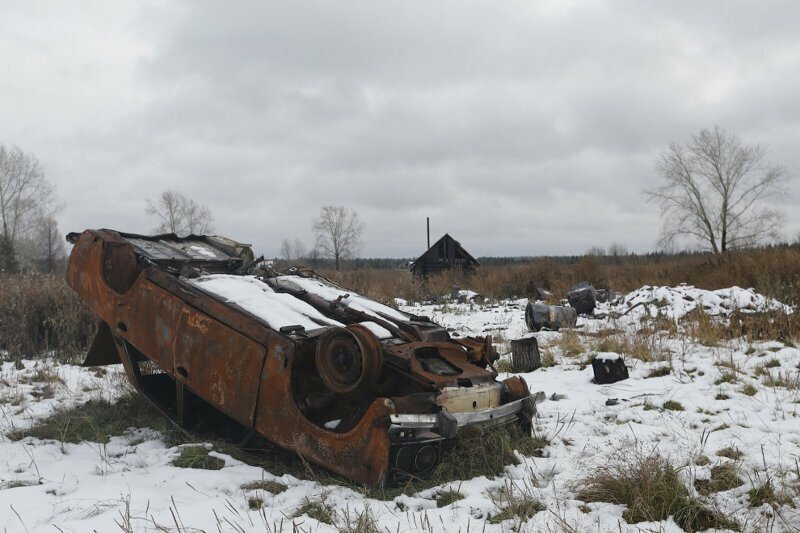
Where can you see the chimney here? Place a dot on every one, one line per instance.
(428, 220)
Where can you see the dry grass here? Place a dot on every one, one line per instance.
(97, 421)
(274, 487)
(786, 380)
(570, 344)
(672, 405)
(646, 345)
(40, 314)
(724, 477)
(726, 377)
(731, 453)
(459, 462)
(447, 497)
(363, 522)
(749, 390)
(320, 510)
(765, 493)
(659, 371)
(771, 271)
(651, 489)
(515, 502)
(197, 457)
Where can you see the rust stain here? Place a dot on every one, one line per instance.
(198, 321)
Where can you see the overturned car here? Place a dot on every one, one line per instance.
(358, 387)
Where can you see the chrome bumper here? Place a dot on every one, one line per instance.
(449, 424)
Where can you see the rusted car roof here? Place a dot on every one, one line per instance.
(354, 385)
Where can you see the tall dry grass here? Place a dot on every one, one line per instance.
(41, 315)
(773, 271)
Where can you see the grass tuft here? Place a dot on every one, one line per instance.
(319, 510)
(651, 489)
(570, 344)
(726, 377)
(503, 365)
(274, 487)
(749, 390)
(459, 462)
(659, 372)
(197, 457)
(731, 453)
(723, 477)
(766, 494)
(445, 498)
(255, 503)
(363, 522)
(515, 503)
(672, 405)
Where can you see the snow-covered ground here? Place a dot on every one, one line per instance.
(51, 486)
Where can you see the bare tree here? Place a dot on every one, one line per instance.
(286, 250)
(292, 251)
(714, 192)
(596, 251)
(25, 197)
(617, 249)
(180, 215)
(49, 245)
(338, 233)
(299, 249)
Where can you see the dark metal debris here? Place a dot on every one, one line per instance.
(540, 316)
(582, 297)
(609, 369)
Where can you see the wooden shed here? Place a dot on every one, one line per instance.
(446, 253)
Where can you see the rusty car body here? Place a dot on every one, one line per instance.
(353, 385)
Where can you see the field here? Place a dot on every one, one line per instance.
(705, 433)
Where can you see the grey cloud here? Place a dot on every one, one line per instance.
(520, 128)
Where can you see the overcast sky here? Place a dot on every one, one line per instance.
(520, 128)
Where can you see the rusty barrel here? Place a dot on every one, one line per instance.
(540, 316)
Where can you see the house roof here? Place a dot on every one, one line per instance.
(446, 236)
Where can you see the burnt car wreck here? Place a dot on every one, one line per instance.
(358, 387)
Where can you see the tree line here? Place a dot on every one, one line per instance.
(29, 234)
(712, 198)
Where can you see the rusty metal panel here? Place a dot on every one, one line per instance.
(219, 365)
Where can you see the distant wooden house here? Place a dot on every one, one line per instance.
(445, 254)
